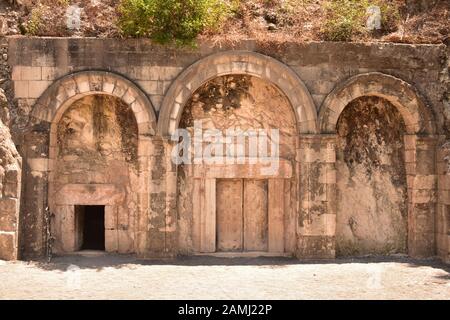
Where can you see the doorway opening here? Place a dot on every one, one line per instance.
(90, 227)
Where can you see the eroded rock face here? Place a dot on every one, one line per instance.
(100, 128)
(10, 171)
(9, 161)
(371, 178)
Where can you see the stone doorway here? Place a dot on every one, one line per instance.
(238, 206)
(94, 182)
(242, 215)
(91, 227)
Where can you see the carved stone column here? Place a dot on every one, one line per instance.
(420, 158)
(34, 199)
(161, 225)
(317, 212)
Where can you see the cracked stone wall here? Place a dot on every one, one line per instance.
(34, 64)
(10, 166)
(10, 177)
(371, 179)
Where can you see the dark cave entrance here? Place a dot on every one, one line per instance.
(91, 227)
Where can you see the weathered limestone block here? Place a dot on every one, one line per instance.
(111, 240)
(8, 216)
(67, 238)
(316, 247)
(8, 245)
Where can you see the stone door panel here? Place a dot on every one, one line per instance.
(242, 215)
(229, 214)
(255, 215)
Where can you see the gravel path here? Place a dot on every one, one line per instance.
(124, 277)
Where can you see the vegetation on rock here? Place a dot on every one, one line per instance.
(345, 19)
(183, 21)
(171, 20)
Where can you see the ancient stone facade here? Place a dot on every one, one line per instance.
(364, 157)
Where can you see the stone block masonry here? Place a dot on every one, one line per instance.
(156, 209)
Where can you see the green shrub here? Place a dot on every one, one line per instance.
(46, 18)
(171, 20)
(35, 21)
(346, 18)
(343, 19)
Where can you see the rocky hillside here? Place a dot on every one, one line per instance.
(407, 21)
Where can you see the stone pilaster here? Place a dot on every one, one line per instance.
(170, 228)
(420, 158)
(443, 206)
(161, 226)
(317, 212)
(35, 152)
(144, 155)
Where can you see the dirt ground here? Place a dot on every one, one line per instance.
(125, 277)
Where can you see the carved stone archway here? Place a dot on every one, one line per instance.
(40, 192)
(237, 62)
(417, 116)
(318, 230)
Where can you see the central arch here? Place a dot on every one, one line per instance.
(238, 63)
(281, 81)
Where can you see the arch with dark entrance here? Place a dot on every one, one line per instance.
(98, 127)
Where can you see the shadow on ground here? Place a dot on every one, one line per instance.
(98, 262)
